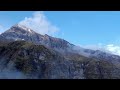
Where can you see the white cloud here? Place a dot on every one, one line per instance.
(39, 23)
(110, 48)
(113, 49)
(99, 46)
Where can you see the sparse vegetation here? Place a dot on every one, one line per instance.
(34, 59)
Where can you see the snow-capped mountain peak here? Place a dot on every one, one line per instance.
(22, 27)
(21, 32)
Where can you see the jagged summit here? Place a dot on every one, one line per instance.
(21, 32)
(19, 27)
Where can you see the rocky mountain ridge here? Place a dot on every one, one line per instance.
(39, 56)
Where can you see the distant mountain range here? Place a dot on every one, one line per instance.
(27, 54)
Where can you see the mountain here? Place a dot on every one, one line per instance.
(32, 55)
(38, 62)
(20, 32)
(99, 55)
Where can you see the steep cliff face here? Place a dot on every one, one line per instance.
(38, 61)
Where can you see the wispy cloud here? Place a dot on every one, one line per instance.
(111, 48)
(12, 75)
(39, 23)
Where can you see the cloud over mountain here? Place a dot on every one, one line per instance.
(39, 23)
(111, 48)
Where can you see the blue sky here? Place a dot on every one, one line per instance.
(77, 27)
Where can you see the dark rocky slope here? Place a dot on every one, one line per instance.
(38, 61)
